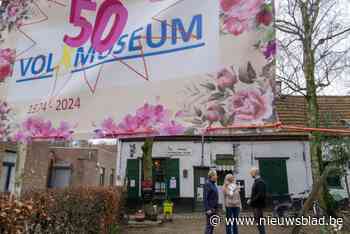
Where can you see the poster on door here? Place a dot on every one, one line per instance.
(93, 68)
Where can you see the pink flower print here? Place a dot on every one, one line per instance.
(20, 136)
(226, 79)
(109, 125)
(264, 17)
(251, 105)
(235, 26)
(64, 130)
(160, 113)
(179, 114)
(270, 49)
(37, 127)
(7, 58)
(129, 124)
(214, 112)
(12, 10)
(226, 5)
(244, 9)
(8, 55)
(240, 14)
(171, 128)
(150, 115)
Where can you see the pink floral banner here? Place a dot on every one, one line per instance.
(170, 69)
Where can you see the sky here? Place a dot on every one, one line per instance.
(342, 85)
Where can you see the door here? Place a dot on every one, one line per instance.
(172, 178)
(61, 177)
(7, 178)
(133, 176)
(274, 173)
(200, 177)
(159, 178)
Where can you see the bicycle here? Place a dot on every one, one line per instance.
(290, 206)
(281, 205)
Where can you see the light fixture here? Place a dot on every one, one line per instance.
(185, 173)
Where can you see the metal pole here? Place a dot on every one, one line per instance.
(118, 168)
(202, 156)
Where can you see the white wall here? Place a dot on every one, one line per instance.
(298, 171)
(160, 149)
(343, 180)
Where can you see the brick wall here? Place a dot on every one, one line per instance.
(107, 157)
(36, 166)
(85, 164)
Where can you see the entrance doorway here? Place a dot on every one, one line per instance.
(200, 177)
(8, 177)
(274, 173)
(61, 176)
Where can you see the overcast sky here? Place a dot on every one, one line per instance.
(342, 85)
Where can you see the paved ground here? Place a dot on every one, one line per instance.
(195, 224)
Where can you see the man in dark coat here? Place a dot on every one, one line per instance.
(211, 198)
(258, 199)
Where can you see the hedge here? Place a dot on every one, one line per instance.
(85, 210)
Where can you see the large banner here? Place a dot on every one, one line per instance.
(131, 67)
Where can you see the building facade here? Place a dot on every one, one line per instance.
(54, 166)
(180, 164)
(180, 167)
(7, 166)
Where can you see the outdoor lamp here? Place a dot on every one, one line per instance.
(185, 173)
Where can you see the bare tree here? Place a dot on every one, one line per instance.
(314, 50)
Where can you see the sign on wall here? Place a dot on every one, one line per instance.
(139, 66)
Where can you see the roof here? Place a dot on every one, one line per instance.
(291, 110)
(334, 111)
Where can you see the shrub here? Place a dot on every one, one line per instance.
(14, 214)
(84, 210)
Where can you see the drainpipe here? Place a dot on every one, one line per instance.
(346, 181)
(22, 151)
(306, 168)
(251, 154)
(118, 167)
(202, 155)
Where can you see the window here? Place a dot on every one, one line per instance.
(61, 176)
(102, 175)
(225, 160)
(111, 177)
(334, 182)
(159, 176)
(7, 177)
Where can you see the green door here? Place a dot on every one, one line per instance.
(172, 178)
(200, 175)
(133, 176)
(274, 173)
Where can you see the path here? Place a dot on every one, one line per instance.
(194, 224)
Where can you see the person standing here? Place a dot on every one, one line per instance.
(258, 198)
(210, 200)
(232, 202)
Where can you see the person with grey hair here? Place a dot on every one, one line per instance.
(257, 198)
(211, 197)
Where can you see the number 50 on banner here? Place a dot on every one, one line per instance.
(107, 9)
